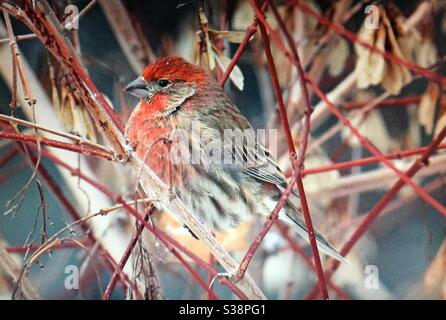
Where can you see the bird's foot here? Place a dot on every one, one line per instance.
(173, 193)
(230, 276)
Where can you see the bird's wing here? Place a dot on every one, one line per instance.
(240, 147)
(267, 172)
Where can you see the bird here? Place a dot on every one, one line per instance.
(185, 128)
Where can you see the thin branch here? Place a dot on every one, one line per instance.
(55, 144)
(17, 63)
(250, 31)
(302, 151)
(77, 139)
(366, 161)
(9, 265)
(20, 38)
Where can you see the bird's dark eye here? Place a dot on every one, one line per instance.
(163, 82)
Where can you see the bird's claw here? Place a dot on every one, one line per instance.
(230, 276)
(173, 193)
(129, 147)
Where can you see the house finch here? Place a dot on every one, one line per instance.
(182, 108)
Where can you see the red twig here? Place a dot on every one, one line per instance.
(369, 160)
(275, 81)
(284, 198)
(302, 150)
(400, 101)
(38, 18)
(55, 144)
(57, 191)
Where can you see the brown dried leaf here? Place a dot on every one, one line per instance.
(89, 126)
(427, 107)
(370, 66)
(337, 57)
(74, 117)
(207, 49)
(231, 36)
(397, 75)
(243, 16)
(426, 53)
(236, 75)
(441, 122)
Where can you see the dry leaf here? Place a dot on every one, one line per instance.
(236, 76)
(231, 36)
(68, 106)
(441, 122)
(337, 57)
(370, 66)
(243, 16)
(397, 75)
(427, 107)
(426, 53)
(206, 47)
(315, 182)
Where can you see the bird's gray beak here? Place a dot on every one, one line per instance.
(138, 88)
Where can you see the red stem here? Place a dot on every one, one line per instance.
(128, 251)
(369, 160)
(55, 144)
(302, 151)
(297, 171)
(400, 101)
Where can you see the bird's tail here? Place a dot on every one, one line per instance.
(294, 218)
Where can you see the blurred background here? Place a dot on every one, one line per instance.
(402, 255)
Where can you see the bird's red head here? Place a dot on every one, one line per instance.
(174, 69)
(168, 83)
